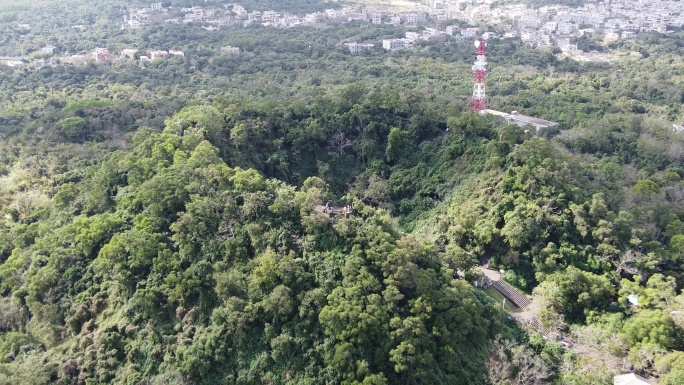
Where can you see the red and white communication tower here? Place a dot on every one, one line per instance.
(479, 100)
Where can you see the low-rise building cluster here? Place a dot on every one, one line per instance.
(544, 27)
(554, 25)
(98, 55)
(231, 15)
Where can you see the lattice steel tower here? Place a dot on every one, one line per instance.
(479, 100)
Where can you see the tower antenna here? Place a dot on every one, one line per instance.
(479, 99)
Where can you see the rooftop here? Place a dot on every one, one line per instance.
(521, 120)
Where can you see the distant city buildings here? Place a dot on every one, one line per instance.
(551, 26)
(542, 27)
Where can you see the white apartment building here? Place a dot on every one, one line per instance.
(158, 55)
(359, 47)
(564, 28)
(470, 32)
(228, 50)
(395, 44)
(490, 36)
(413, 36)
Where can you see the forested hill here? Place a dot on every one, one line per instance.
(163, 262)
(171, 260)
(164, 222)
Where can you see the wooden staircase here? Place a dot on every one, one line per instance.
(513, 295)
(539, 327)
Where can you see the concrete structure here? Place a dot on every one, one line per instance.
(358, 47)
(133, 24)
(39, 63)
(156, 6)
(228, 50)
(523, 120)
(158, 55)
(631, 379)
(14, 63)
(101, 54)
(432, 32)
(128, 53)
(413, 36)
(48, 49)
(76, 59)
(470, 32)
(173, 52)
(396, 44)
(239, 10)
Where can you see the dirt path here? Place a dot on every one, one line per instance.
(494, 275)
(526, 314)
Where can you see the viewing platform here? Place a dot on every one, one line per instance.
(344, 211)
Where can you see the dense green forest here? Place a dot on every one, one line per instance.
(162, 223)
